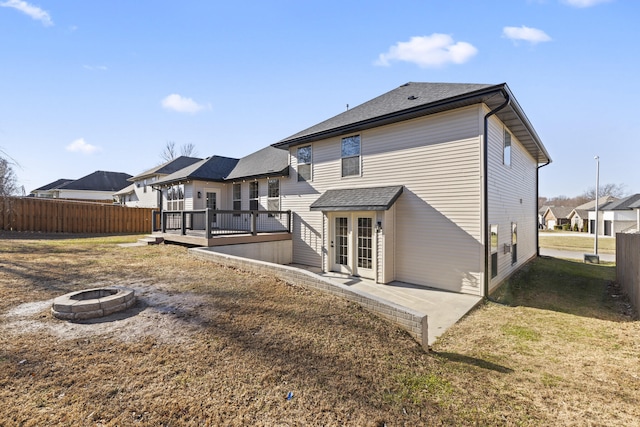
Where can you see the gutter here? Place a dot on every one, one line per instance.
(485, 165)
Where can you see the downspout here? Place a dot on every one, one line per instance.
(485, 165)
(536, 205)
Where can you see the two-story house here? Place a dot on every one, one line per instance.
(431, 184)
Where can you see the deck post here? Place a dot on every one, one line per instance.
(289, 221)
(208, 218)
(183, 226)
(254, 216)
(163, 222)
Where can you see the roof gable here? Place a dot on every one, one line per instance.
(214, 168)
(413, 100)
(168, 167)
(269, 161)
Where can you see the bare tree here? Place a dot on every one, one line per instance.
(615, 190)
(169, 152)
(188, 150)
(8, 181)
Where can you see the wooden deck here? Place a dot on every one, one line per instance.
(198, 238)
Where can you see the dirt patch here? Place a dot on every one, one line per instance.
(163, 315)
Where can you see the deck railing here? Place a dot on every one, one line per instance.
(211, 222)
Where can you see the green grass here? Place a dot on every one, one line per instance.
(580, 243)
(560, 285)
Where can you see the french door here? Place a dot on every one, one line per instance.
(352, 244)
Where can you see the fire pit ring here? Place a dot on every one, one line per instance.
(92, 303)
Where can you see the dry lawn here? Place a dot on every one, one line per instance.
(208, 345)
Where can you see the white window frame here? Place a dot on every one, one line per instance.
(507, 147)
(344, 157)
(254, 200)
(236, 196)
(309, 163)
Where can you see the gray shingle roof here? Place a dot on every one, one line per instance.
(99, 181)
(358, 199)
(269, 161)
(623, 204)
(413, 100)
(168, 167)
(559, 211)
(53, 185)
(602, 201)
(214, 168)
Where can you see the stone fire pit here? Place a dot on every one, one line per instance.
(92, 303)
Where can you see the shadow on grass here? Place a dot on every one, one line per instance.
(566, 286)
(473, 361)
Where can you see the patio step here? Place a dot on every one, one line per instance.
(151, 240)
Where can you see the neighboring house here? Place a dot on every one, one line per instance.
(48, 191)
(579, 217)
(541, 222)
(431, 184)
(556, 216)
(97, 186)
(619, 216)
(141, 194)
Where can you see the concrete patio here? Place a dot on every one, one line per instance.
(443, 309)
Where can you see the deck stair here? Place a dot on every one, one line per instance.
(151, 240)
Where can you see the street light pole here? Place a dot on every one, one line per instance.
(595, 242)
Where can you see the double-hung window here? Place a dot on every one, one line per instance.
(351, 156)
(494, 250)
(304, 163)
(253, 195)
(506, 153)
(237, 198)
(273, 195)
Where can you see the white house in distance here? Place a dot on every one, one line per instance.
(141, 193)
(433, 184)
(619, 216)
(97, 186)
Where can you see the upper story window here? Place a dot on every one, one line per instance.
(351, 155)
(237, 197)
(253, 195)
(506, 153)
(304, 163)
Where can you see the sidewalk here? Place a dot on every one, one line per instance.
(556, 253)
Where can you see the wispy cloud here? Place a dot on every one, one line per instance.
(584, 3)
(33, 11)
(429, 51)
(95, 67)
(182, 104)
(531, 35)
(81, 146)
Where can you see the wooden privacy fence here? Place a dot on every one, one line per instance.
(628, 266)
(64, 216)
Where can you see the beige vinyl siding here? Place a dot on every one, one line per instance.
(512, 198)
(437, 218)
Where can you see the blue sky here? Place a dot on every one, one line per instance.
(103, 85)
